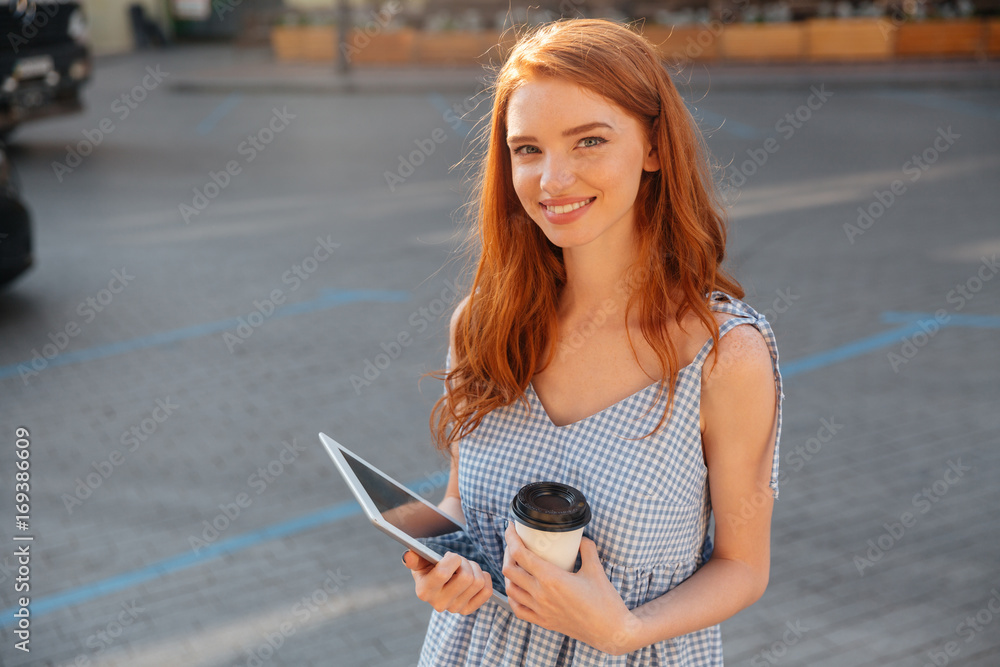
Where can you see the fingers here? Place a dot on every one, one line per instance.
(415, 561)
(454, 584)
(431, 580)
(589, 556)
(482, 596)
(474, 595)
(519, 563)
(517, 550)
(462, 587)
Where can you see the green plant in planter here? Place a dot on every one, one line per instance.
(318, 19)
(289, 19)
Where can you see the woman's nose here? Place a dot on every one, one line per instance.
(557, 175)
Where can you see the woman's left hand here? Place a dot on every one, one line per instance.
(583, 605)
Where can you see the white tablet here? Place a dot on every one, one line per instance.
(405, 516)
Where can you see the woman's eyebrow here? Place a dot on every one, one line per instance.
(580, 129)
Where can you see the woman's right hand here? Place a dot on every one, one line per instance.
(454, 584)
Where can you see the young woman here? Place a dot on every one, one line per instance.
(602, 346)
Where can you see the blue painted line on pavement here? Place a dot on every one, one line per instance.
(327, 299)
(848, 351)
(120, 582)
(458, 125)
(116, 583)
(218, 113)
(912, 323)
(951, 320)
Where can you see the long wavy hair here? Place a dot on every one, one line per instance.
(507, 331)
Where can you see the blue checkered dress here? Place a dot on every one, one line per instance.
(650, 505)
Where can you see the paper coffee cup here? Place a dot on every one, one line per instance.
(550, 517)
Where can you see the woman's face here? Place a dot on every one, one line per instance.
(576, 160)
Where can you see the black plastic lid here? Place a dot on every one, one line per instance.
(550, 506)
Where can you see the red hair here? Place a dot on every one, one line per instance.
(506, 332)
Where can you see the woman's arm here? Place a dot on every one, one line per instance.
(739, 407)
(454, 584)
(451, 504)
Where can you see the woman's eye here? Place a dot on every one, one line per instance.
(590, 142)
(524, 150)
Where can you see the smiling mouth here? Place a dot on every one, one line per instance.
(568, 207)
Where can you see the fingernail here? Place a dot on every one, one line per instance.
(404, 558)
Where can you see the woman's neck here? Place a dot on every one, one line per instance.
(595, 273)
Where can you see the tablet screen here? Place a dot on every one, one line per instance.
(400, 508)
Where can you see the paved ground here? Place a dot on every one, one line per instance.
(184, 366)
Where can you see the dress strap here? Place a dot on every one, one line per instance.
(744, 314)
(724, 328)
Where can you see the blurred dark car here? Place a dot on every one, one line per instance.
(15, 228)
(44, 59)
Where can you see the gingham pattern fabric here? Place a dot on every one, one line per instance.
(650, 506)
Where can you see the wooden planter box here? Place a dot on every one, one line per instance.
(285, 43)
(762, 41)
(941, 38)
(385, 48)
(319, 43)
(993, 37)
(304, 43)
(684, 44)
(455, 48)
(849, 39)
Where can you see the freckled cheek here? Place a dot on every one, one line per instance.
(525, 186)
(619, 178)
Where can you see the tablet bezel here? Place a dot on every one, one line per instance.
(338, 453)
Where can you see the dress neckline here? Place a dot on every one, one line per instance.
(616, 404)
(714, 297)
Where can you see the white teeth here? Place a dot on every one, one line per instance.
(569, 207)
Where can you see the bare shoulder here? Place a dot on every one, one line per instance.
(738, 394)
(742, 355)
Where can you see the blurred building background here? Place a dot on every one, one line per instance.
(249, 22)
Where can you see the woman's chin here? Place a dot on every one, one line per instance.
(564, 238)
